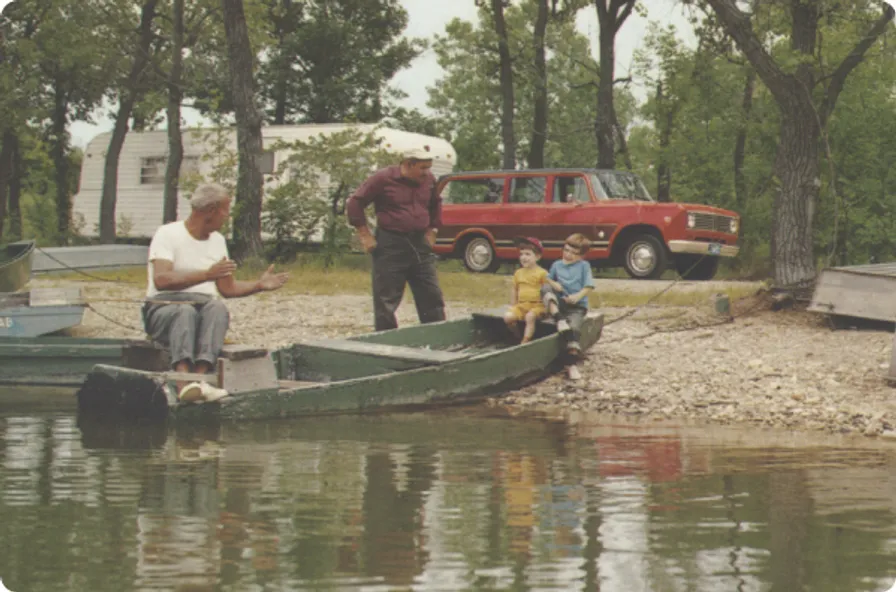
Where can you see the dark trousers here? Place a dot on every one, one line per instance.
(192, 331)
(573, 313)
(400, 259)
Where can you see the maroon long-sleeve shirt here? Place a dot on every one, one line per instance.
(401, 205)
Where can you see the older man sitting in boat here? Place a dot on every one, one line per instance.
(189, 273)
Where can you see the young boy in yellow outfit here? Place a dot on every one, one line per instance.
(526, 300)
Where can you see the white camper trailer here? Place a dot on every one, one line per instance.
(141, 168)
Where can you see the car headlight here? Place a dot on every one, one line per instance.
(734, 225)
(692, 220)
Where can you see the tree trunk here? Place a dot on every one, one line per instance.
(14, 211)
(508, 107)
(284, 66)
(129, 96)
(603, 125)
(5, 174)
(58, 148)
(540, 98)
(740, 143)
(665, 121)
(247, 217)
(796, 167)
(610, 19)
(175, 94)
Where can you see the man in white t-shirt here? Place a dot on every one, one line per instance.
(189, 272)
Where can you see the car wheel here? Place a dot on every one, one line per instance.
(479, 256)
(645, 258)
(697, 267)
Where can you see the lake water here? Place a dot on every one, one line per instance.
(459, 500)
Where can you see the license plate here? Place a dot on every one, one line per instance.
(715, 249)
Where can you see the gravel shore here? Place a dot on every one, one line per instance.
(785, 369)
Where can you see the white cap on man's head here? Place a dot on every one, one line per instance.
(422, 153)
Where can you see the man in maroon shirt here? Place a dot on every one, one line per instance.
(408, 215)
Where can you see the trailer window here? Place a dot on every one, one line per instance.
(152, 169)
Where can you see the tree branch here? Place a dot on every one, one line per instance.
(737, 24)
(855, 57)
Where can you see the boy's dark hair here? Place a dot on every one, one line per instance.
(579, 241)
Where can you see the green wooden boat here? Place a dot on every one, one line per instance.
(54, 361)
(429, 365)
(15, 265)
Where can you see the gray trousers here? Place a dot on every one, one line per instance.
(193, 331)
(404, 259)
(573, 313)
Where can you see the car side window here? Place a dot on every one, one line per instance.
(482, 190)
(570, 190)
(529, 190)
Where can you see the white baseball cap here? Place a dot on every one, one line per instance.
(422, 153)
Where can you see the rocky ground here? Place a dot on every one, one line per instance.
(785, 369)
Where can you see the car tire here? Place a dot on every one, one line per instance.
(645, 258)
(479, 256)
(697, 267)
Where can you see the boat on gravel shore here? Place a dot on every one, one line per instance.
(430, 365)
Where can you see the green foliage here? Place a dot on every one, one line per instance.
(307, 194)
(468, 100)
(332, 61)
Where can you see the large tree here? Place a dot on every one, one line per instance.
(332, 60)
(129, 91)
(806, 92)
(249, 190)
(611, 15)
(495, 10)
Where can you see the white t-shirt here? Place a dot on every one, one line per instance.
(173, 242)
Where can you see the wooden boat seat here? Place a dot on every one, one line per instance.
(431, 357)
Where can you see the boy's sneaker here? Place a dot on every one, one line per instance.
(563, 326)
(212, 393)
(573, 373)
(573, 348)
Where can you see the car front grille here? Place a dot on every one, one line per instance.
(712, 222)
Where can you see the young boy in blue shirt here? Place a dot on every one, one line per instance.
(566, 291)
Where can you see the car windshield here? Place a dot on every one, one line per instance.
(620, 185)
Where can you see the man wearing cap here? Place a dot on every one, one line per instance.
(408, 215)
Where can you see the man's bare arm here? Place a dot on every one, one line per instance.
(167, 279)
(231, 287)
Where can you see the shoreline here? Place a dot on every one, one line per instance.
(784, 369)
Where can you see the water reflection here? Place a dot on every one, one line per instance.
(448, 501)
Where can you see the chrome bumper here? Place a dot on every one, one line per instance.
(702, 248)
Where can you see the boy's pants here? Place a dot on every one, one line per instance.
(402, 258)
(193, 331)
(573, 313)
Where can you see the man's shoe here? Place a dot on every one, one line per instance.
(192, 393)
(563, 326)
(212, 393)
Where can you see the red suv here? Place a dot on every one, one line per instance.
(483, 212)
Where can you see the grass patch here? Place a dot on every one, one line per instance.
(351, 275)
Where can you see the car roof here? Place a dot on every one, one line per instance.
(530, 172)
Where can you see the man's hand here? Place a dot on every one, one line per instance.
(272, 281)
(368, 243)
(431, 237)
(223, 268)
